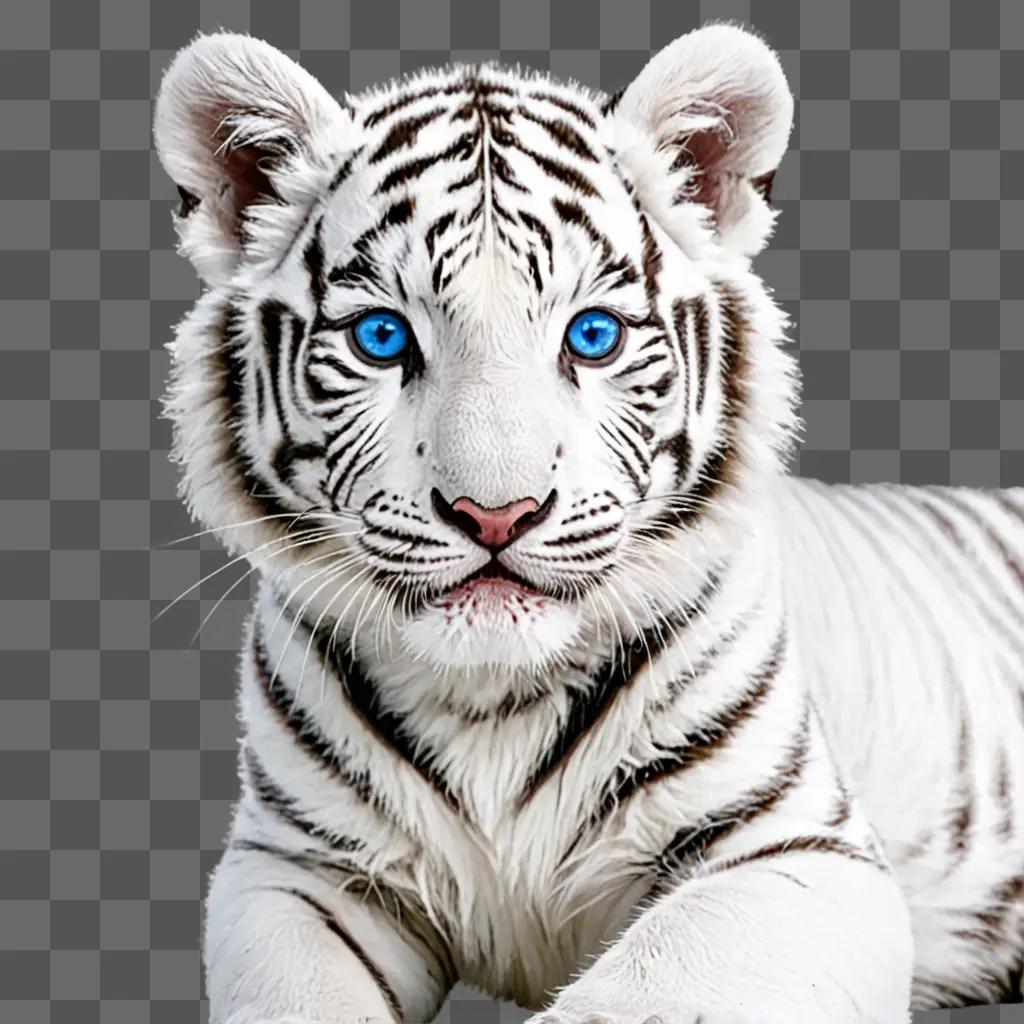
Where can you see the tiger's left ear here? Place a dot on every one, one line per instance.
(717, 108)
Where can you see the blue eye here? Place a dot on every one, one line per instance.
(381, 337)
(593, 334)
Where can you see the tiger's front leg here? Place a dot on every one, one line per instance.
(804, 928)
(284, 945)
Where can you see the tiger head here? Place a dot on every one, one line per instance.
(481, 364)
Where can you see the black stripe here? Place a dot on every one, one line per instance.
(561, 132)
(401, 102)
(622, 459)
(389, 727)
(510, 706)
(313, 259)
(983, 591)
(681, 310)
(396, 214)
(502, 171)
(540, 229)
(323, 355)
(962, 815)
(332, 923)
(563, 172)
(567, 105)
(403, 134)
(651, 261)
(286, 456)
(460, 149)
(358, 445)
(678, 684)
(572, 213)
(1004, 796)
(1012, 989)
(588, 706)
(702, 339)
(991, 928)
(843, 806)
(358, 272)
(580, 538)
(611, 102)
(306, 732)
(436, 229)
(275, 799)
(370, 461)
(447, 279)
(368, 455)
(280, 351)
(662, 386)
(362, 267)
(364, 698)
(639, 454)
(701, 744)
(691, 843)
(535, 276)
(977, 517)
(230, 362)
(302, 858)
(617, 272)
(344, 172)
(272, 314)
(798, 844)
(718, 464)
(640, 364)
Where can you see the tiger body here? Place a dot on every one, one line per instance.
(726, 745)
(523, 917)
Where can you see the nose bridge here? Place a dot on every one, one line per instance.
(493, 441)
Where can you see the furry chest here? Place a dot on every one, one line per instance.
(519, 925)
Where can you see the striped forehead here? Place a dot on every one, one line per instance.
(482, 165)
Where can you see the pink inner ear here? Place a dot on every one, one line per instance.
(708, 150)
(242, 167)
(249, 180)
(721, 155)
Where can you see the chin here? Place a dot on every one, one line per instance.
(492, 624)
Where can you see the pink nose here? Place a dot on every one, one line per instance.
(497, 526)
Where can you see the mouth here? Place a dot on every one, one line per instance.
(495, 575)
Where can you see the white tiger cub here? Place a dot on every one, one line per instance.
(556, 683)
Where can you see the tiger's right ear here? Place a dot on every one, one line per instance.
(248, 136)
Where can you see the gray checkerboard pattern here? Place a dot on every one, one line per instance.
(900, 254)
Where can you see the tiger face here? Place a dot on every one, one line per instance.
(481, 358)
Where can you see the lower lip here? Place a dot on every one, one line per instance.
(495, 585)
(492, 594)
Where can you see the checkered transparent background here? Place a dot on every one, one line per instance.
(900, 253)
